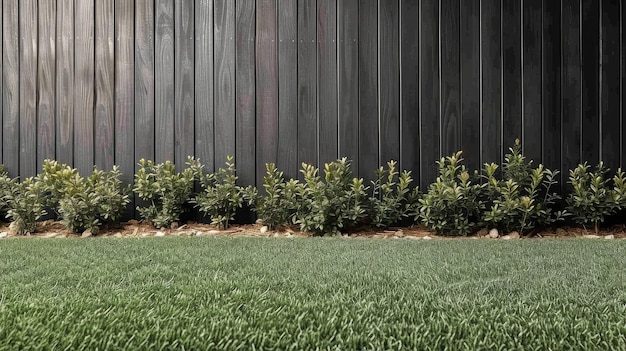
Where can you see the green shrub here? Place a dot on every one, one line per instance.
(221, 196)
(523, 198)
(592, 198)
(24, 202)
(279, 205)
(453, 203)
(51, 182)
(333, 203)
(392, 198)
(164, 190)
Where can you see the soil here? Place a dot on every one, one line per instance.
(133, 228)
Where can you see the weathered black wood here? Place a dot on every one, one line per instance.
(1, 78)
(164, 81)
(11, 87)
(28, 88)
(144, 81)
(551, 85)
(450, 78)
(287, 158)
(389, 88)
(512, 74)
(590, 80)
(470, 83)
(245, 30)
(45, 81)
(348, 73)
(571, 85)
(623, 85)
(204, 80)
(65, 82)
(430, 114)
(532, 120)
(224, 39)
(327, 79)
(183, 81)
(491, 82)
(307, 83)
(610, 101)
(125, 90)
(105, 84)
(369, 158)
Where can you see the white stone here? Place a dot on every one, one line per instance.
(4, 235)
(86, 234)
(591, 236)
(159, 233)
(427, 238)
(609, 237)
(493, 233)
(264, 229)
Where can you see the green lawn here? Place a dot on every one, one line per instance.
(326, 293)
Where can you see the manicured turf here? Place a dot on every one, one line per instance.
(245, 293)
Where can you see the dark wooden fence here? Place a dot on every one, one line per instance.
(288, 81)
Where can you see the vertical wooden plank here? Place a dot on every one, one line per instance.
(610, 99)
(450, 78)
(225, 80)
(46, 82)
(590, 81)
(287, 158)
(327, 79)
(28, 88)
(11, 87)
(551, 85)
(245, 93)
(307, 83)
(470, 83)
(571, 85)
(164, 81)
(84, 86)
(532, 79)
(512, 74)
(389, 88)
(184, 82)
(144, 81)
(65, 82)
(368, 89)
(348, 100)
(429, 91)
(105, 84)
(623, 83)
(204, 84)
(125, 90)
(491, 81)
(1, 76)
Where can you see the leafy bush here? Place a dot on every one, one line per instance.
(165, 191)
(453, 203)
(279, 205)
(592, 198)
(392, 197)
(51, 182)
(523, 198)
(333, 203)
(24, 202)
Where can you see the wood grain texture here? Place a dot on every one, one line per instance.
(65, 82)
(512, 73)
(245, 133)
(551, 85)
(46, 142)
(1, 77)
(28, 88)
(610, 102)
(571, 86)
(204, 137)
(369, 158)
(144, 81)
(623, 85)
(348, 73)
(164, 80)
(429, 91)
(225, 85)
(105, 84)
(450, 78)
(492, 82)
(183, 82)
(307, 84)
(287, 158)
(125, 90)
(11, 88)
(532, 120)
(590, 52)
(84, 86)
(389, 89)
(327, 80)
(470, 83)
